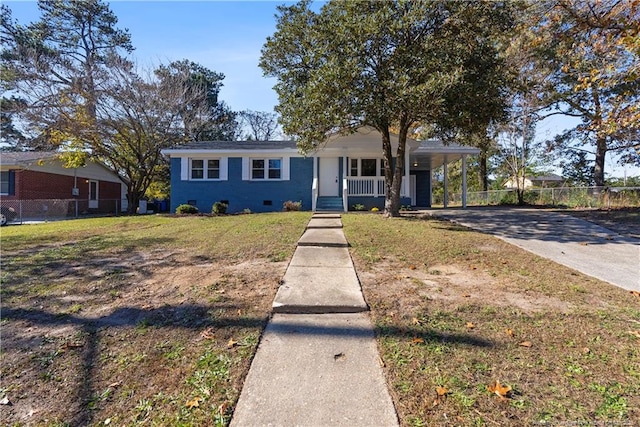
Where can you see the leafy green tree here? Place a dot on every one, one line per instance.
(62, 62)
(385, 64)
(217, 122)
(577, 168)
(141, 117)
(519, 151)
(11, 138)
(592, 52)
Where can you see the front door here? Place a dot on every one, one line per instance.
(329, 171)
(93, 194)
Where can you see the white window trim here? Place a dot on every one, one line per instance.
(187, 168)
(379, 166)
(8, 184)
(247, 168)
(97, 193)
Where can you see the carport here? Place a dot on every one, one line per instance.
(430, 155)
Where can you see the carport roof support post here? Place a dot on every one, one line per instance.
(464, 181)
(445, 200)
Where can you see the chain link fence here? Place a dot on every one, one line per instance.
(21, 211)
(570, 197)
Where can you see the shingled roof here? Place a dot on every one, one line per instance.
(237, 145)
(20, 158)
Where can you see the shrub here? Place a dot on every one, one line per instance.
(185, 209)
(289, 206)
(219, 208)
(359, 207)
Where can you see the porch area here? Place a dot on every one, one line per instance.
(348, 171)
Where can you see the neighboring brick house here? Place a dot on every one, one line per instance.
(37, 176)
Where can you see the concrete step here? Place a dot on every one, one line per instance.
(324, 223)
(327, 215)
(329, 204)
(319, 290)
(332, 237)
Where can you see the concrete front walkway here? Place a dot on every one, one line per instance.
(570, 241)
(317, 363)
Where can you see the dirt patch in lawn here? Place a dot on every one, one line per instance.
(456, 310)
(409, 288)
(147, 336)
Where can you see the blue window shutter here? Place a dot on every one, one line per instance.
(246, 169)
(285, 168)
(12, 182)
(184, 168)
(224, 168)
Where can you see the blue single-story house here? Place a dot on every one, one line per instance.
(262, 175)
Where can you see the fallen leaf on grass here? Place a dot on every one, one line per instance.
(470, 325)
(441, 391)
(193, 403)
(382, 364)
(415, 321)
(466, 296)
(635, 294)
(525, 344)
(232, 343)
(412, 267)
(509, 332)
(441, 394)
(584, 243)
(222, 409)
(417, 340)
(207, 334)
(635, 334)
(501, 391)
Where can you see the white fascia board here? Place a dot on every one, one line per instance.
(340, 152)
(446, 150)
(232, 153)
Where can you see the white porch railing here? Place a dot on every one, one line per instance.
(373, 186)
(345, 198)
(314, 194)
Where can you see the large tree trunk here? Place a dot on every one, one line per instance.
(601, 141)
(393, 175)
(392, 196)
(598, 169)
(484, 181)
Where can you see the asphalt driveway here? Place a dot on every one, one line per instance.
(578, 244)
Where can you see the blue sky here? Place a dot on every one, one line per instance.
(224, 36)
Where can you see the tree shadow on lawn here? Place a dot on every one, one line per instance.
(381, 331)
(433, 335)
(186, 316)
(193, 317)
